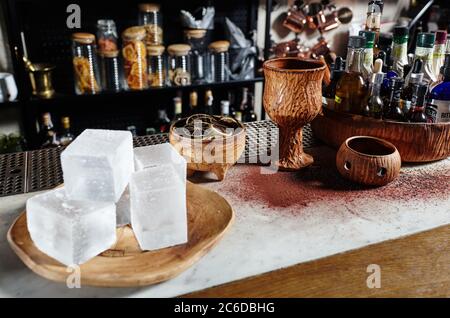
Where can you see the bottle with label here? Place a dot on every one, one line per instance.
(375, 103)
(47, 133)
(209, 103)
(416, 113)
(367, 65)
(373, 21)
(439, 52)
(193, 103)
(438, 108)
(400, 50)
(407, 93)
(424, 52)
(178, 108)
(66, 135)
(162, 123)
(392, 110)
(351, 89)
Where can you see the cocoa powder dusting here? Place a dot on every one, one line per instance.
(322, 181)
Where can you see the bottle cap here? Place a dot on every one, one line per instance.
(219, 46)
(396, 83)
(84, 38)
(149, 7)
(400, 31)
(378, 75)
(195, 33)
(356, 42)
(155, 50)
(441, 37)
(425, 40)
(179, 49)
(369, 36)
(134, 33)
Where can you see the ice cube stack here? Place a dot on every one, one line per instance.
(102, 190)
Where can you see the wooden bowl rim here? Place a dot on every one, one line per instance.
(320, 66)
(206, 141)
(383, 141)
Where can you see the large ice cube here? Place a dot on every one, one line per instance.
(71, 232)
(158, 207)
(158, 155)
(123, 209)
(98, 164)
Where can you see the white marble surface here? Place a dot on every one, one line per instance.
(262, 239)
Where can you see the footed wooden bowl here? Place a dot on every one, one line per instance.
(416, 142)
(368, 160)
(210, 154)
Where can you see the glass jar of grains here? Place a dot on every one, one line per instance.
(150, 17)
(220, 71)
(84, 59)
(196, 39)
(180, 64)
(135, 58)
(156, 66)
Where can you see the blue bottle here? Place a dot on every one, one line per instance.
(438, 107)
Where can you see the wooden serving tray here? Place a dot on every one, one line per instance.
(125, 264)
(416, 142)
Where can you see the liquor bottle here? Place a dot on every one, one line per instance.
(133, 130)
(209, 103)
(232, 100)
(193, 103)
(351, 89)
(373, 21)
(367, 66)
(178, 108)
(162, 123)
(66, 135)
(424, 52)
(249, 109)
(439, 52)
(392, 109)
(400, 50)
(244, 103)
(375, 102)
(225, 108)
(416, 113)
(407, 93)
(438, 108)
(336, 74)
(47, 133)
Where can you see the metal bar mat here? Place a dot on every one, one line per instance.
(38, 170)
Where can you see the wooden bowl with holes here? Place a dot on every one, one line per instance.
(368, 160)
(209, 154)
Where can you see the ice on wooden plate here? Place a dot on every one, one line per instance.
(158, 207)
(98, 164)
(71, 232)
(123, 209)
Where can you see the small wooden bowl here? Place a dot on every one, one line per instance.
(227, 149)
(368, 160)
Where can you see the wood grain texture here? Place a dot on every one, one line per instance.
(416, 142)
(413, 266)
(371, 169)
(226, 150)
(125, 264)
(292, 98)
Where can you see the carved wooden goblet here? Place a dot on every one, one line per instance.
(292, 98)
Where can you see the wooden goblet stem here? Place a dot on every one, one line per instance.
(292, 156)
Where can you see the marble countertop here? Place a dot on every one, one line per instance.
(282, 219)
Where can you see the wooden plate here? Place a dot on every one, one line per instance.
(416, 142)
(125, 264)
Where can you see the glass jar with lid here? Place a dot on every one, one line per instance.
(109, 62)
(196, 39)
(219, 57)
(85, 65)
(180, 64)
(156, 66)
(135, 58)
(151, 18)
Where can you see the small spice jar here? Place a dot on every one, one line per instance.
(110, 69)
(219, 61)
(156, 66)
(196, 39)
(85, 65)
(151, 18)
(135, 58)
(180, 64)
